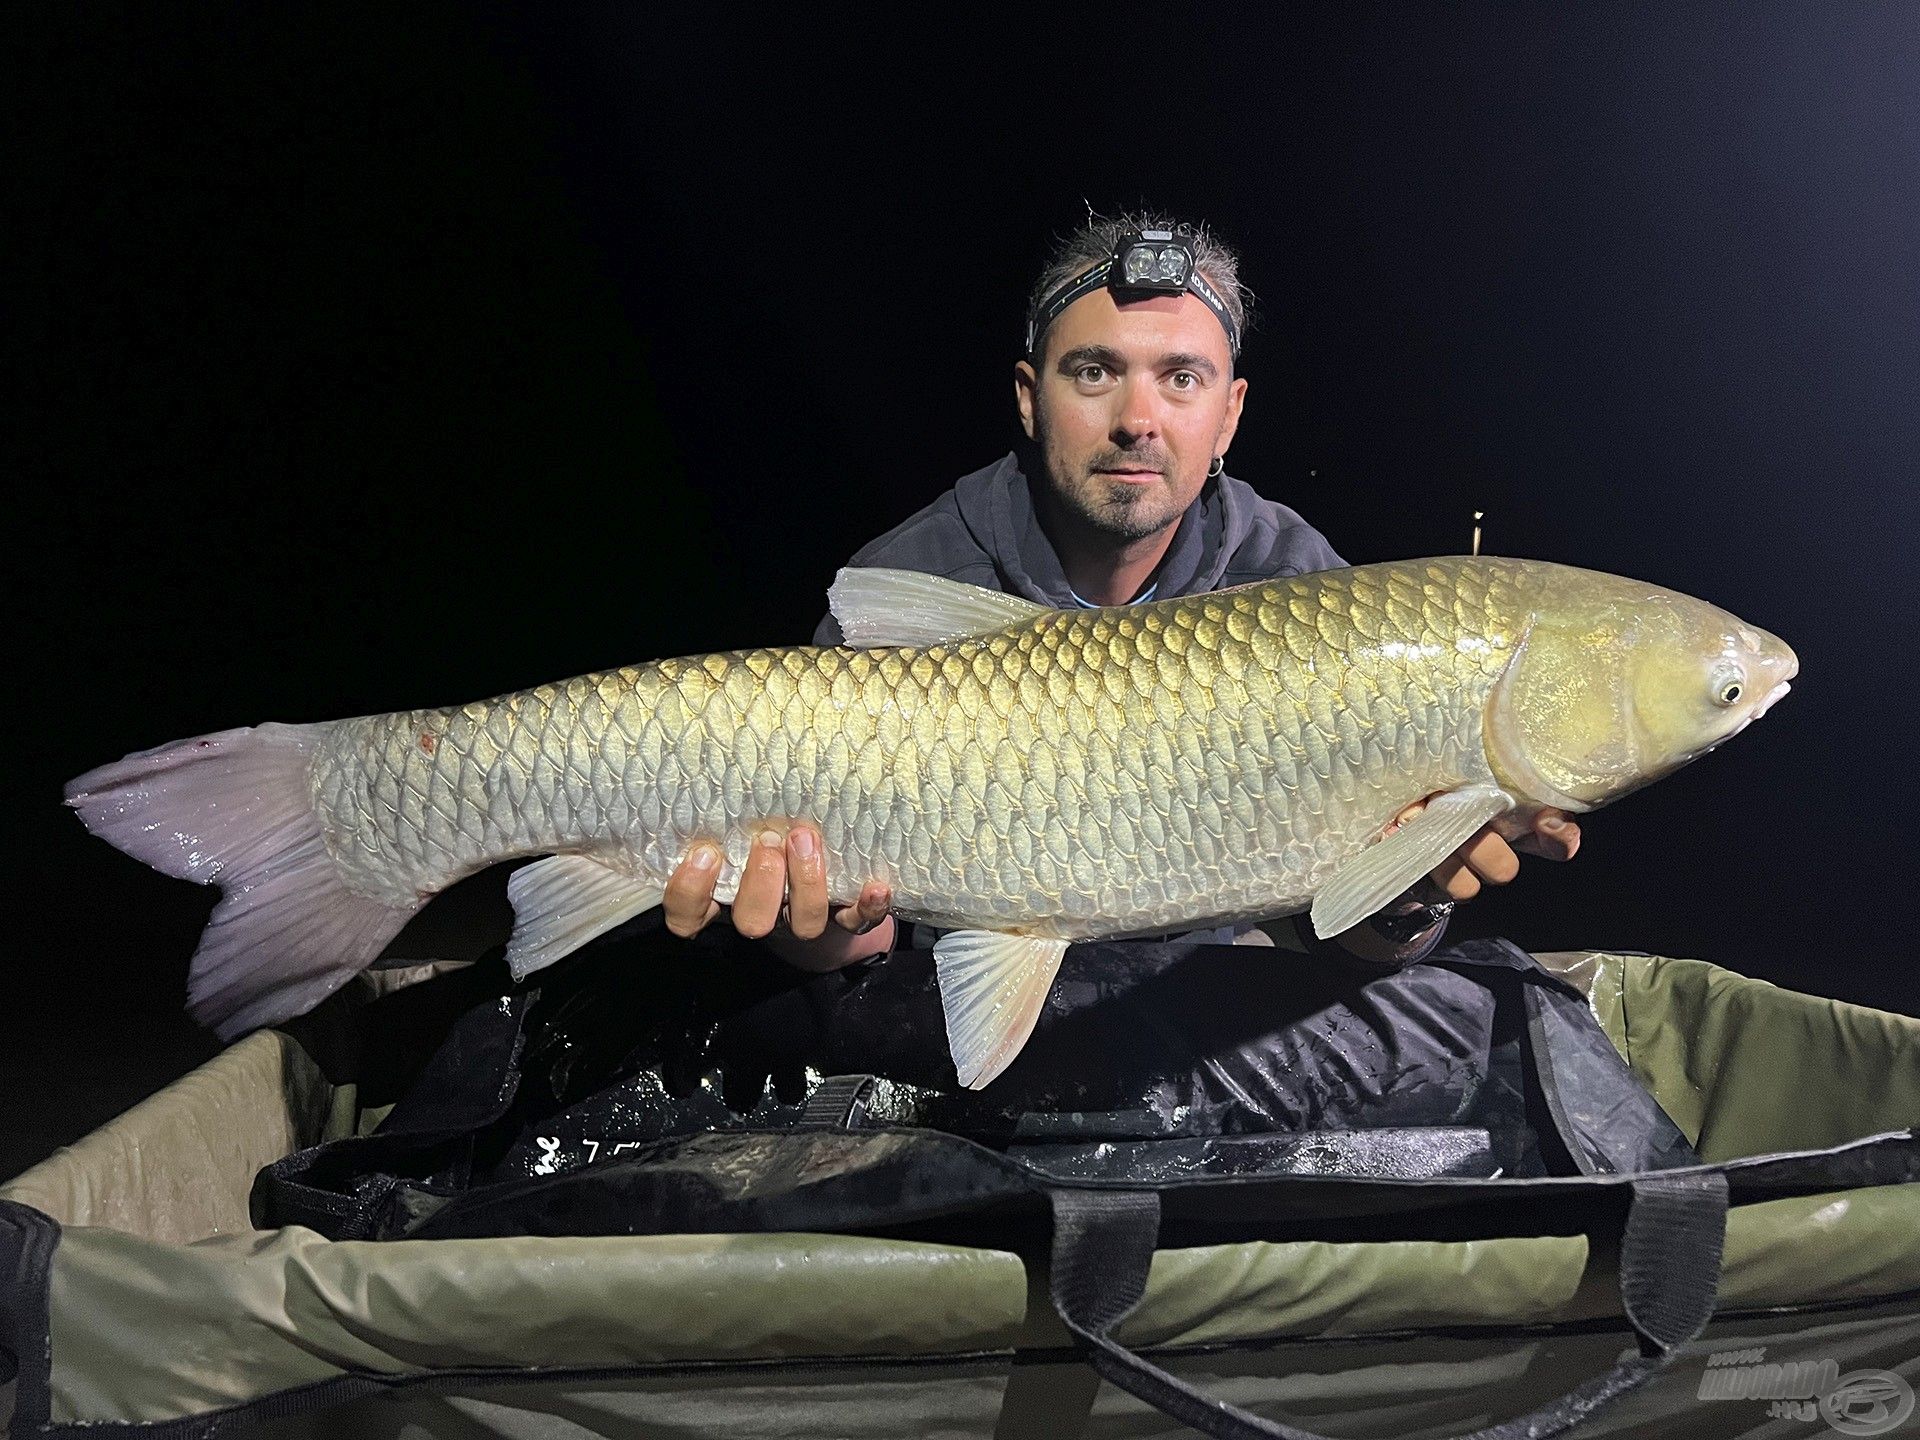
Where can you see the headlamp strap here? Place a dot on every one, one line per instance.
(1088, 281)
(1197, 283)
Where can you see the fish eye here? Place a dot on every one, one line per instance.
(1730, 692)
(1729, 684)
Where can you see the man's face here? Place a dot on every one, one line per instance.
(1129, 406)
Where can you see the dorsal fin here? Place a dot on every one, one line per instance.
(903, 607)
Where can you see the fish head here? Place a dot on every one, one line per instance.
(1617, 683)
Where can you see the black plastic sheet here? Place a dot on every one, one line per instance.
(1151, 1062)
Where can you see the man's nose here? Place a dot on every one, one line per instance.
(1138, 415)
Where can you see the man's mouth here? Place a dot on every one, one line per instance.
(1130, 476)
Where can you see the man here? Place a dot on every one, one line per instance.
(1128, 397)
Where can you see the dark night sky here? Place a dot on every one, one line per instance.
(371, 361)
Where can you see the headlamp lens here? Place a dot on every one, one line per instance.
(1148, 265)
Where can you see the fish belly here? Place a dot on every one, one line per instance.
(1087, 774)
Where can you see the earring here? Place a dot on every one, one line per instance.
(1219, 464)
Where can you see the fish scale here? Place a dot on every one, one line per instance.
(1106, 770)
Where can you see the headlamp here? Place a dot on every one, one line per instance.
(1151, 262)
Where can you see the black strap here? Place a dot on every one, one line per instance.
(1103, 1243)
(27, 1242)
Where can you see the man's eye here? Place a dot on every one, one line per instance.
(1184, 380)
(1091, 374)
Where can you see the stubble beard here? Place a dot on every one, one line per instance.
(1115, 508)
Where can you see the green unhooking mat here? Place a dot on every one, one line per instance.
(1772, 1289)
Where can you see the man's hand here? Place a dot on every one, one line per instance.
(787, 872)
(1488, 859)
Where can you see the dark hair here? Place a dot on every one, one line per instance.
(1089, 244)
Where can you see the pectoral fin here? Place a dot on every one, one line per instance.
(1371, 879)
(562, 902)
(992, 987)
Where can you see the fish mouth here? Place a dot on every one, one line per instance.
(1774, 697)
(1774, 661)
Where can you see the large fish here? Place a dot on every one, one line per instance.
(1021, 776)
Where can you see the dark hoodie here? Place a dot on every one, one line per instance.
(985, 531)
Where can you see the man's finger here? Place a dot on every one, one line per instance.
(1490, 858)
(876, 898)
(1404, 816)
(763, 886)
(806, 883)
(688, 901)
(1553, 837)
(1453, 876)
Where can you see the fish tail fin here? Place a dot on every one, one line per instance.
(234, 809)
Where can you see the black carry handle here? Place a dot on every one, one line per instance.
(1103, 1242)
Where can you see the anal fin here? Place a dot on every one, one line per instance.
(1370, 880)
(992, 987)
(562, 902)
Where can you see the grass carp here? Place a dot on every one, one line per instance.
(1023, 777)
